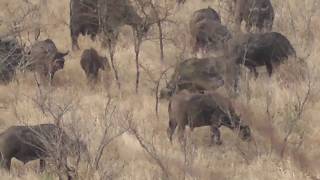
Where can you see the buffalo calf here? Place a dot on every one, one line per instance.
(91, 62)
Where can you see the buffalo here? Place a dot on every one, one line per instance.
(197, 110)
(91, 62)
(256, 13)
(27, 143)
(83, 20)
(11, 55)
(268, 49)
(205, 13)
(45, 59)
(94, 16)
(196, 75)
(207, 32)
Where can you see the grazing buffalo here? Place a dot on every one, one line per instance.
(27, 143)
(11, 54)
(257, 13)
(268, 49)
(45, 59)
(196, 75)
(83, 20)
(95, 16)
(197, 110)
(207, 32)
(91, 62)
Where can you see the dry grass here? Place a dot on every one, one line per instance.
(268, 105)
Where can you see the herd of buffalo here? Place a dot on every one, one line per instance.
(193, 100)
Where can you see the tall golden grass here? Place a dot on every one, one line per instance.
(269, 106)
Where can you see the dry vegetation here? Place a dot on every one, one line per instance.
(282, 111)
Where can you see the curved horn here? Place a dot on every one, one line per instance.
(61, 55)
(66, 53)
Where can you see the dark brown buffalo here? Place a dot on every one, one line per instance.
(207, 32)
(11, 55)
(267, 49)
(196, 75)
(205, 13)
(91, 62)
(209, 36)
(83, 20)
(45, 59)
(100, 16)
(256, 13)
(27, 143)
(197, 110)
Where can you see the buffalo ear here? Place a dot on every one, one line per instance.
(61, 55)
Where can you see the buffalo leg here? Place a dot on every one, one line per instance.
(216, 135)
(269, 68)
(181, 133)
(6, 163)
(171, 129)
(42, 165)
(268, 25)
(248, 26)
(254, 70)
(74, 39)
(93, 37)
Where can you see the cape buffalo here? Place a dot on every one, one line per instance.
(196, 75)
(91, 62)
(209, 36)
(207, 32)
(267, 49)
(95, 16)
(205, 13)
(27, 143)
(11, 54)
(83, 20)
(258, 13)
(197, 110)
(45, 59)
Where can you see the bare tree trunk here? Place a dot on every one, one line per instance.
(115, 71)
(138, 71)
(157, 98)
(137, 43)
(109, 38)
(161, 40)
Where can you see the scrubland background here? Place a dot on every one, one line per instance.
(283, 111)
